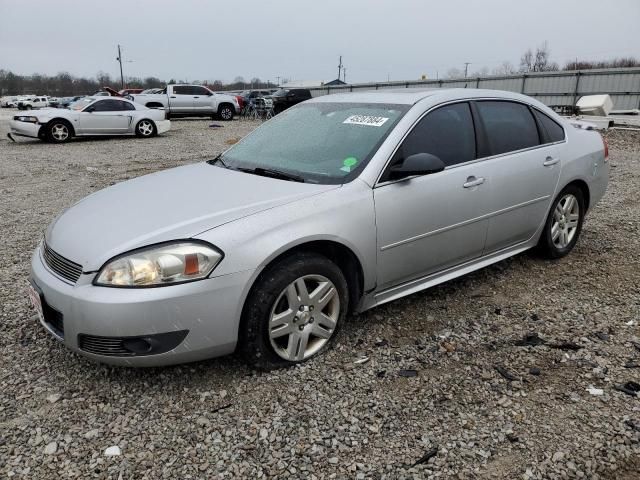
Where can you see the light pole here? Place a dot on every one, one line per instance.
(119, 59)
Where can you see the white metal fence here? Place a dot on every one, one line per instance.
(551, 88)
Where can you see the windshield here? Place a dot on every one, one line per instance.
(327, 143)
(280, 93)
(81, 103)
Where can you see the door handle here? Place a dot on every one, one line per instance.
(196, 97)
(549, 161)
(173, 96)
(473, 182)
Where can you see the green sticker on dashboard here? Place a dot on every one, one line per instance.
(348, 164)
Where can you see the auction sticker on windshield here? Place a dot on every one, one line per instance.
(366, 120)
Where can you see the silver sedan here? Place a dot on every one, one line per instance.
(337, 205)
(90, 116)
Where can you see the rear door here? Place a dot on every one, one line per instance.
(429, 223)
(524, 171)
(201, 99)
(104, 117)
(181, 99)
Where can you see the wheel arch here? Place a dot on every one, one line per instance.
(584, 188)
(226, 104)
(62, 119)
(342, 255)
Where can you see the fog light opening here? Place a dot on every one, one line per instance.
(137, 345)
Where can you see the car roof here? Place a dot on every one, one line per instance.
(411, 96)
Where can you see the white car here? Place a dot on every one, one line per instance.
(90, 116)
(8, 102)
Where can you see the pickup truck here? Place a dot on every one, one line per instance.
(33, 102)
(190, 100)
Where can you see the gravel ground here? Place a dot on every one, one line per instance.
(432, 398)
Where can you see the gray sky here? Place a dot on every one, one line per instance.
(301, 40)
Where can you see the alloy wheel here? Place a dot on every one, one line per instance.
(226, 113)
(566, 217)
(304, 317)
(60, 132)
(145, 128)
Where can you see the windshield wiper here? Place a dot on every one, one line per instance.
(272, 173)
(217, 159)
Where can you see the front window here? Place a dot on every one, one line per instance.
(81, 103)
(327, 143)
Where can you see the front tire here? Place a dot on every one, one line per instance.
(226, 112)
(564, 223)
(294, 311)
(58, 131)
(146, 129)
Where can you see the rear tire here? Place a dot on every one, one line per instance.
(564, 223)
(146, 129)
(293, 312)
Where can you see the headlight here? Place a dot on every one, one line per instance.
(160, 265)
(27, 119)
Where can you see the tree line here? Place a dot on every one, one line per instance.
(66, 85)
(539, 60)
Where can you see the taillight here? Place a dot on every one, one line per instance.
(606, 148)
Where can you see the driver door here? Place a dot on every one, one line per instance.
(429, 223)
(105, 117)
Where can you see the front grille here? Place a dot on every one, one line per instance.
(109, 346)
(65, 268)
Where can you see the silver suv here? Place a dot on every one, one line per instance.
(338, 205)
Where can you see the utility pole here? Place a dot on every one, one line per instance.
(344, 74)
(339, 67)
(119, 59)
(278, 80)
(466, 68)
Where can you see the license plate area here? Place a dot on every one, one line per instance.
(36, 301)
(49, 317)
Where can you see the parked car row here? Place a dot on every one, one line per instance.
(282, 98)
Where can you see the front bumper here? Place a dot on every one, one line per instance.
(208, 309)
(24, 129)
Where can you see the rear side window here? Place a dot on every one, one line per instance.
(447, 133)
(195, 90)
(126, 106)
(182, 90)
(551, 131)
(107, 106)
(509, 126)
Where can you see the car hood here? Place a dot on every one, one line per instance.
(173, 204)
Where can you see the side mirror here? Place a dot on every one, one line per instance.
(90, 109)
(416, 164)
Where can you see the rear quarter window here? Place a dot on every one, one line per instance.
(509, 126)
(551, 130)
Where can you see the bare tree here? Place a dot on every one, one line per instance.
(538, 61)
(526, 61)
(454, 73)
(506, 68)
